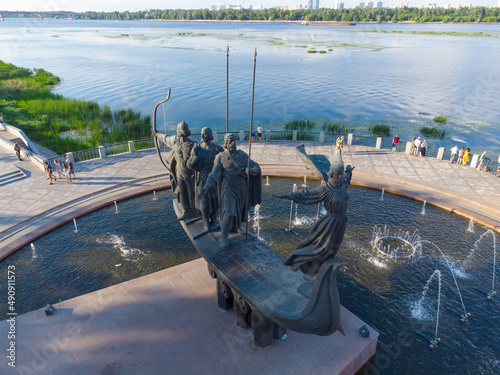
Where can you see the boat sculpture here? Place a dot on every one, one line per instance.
(266, 295)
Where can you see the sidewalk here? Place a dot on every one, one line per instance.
(31, 204)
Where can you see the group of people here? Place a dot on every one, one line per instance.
(259, 133)
(67, 170)
(462, 155)
(205, 176)
(418, 147)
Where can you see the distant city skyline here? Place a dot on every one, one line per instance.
(123, 5)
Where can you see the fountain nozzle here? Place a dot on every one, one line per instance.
(491, 296)
(465, 317)
(434, 343)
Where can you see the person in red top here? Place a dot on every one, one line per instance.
(395, 142)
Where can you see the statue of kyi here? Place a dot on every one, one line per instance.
(231, 171)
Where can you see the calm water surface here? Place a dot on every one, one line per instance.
(145, 237)
(369, 73)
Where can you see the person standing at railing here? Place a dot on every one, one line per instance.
(418, 143)
(412, 146)
(454, 152)
(466, 156)
(481, 160)
(259, 132)
(395, 142)
(423, 146)
(460, 159)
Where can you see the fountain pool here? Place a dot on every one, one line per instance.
(386, 292)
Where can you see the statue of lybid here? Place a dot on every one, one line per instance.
(231, 172)
(201, 161)
(182, 177)
(325, 238)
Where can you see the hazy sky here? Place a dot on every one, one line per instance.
(132, 5)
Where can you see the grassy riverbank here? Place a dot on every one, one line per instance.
(27, 102)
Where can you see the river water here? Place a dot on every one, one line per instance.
(368, 74)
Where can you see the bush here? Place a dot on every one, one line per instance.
(432, 132)
(300, 124)
(440, 119)
(336, 128)
(380, 130)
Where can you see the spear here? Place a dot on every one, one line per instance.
(227, 88)
(250, 137)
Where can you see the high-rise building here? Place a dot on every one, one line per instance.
(310, 4)
(369, 5)
(316, 4)
(338, 5)
(361, 5)
(379, 4)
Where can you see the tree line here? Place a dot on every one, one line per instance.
(476, 14)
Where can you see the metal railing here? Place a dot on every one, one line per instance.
(116, 148)
(279, 135)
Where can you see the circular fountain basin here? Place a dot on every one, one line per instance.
(387, 293)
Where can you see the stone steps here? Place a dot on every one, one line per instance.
(7, 178)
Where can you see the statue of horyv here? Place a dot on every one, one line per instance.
(237, 194)
(325, 238)
(201, 161)
(183, 176)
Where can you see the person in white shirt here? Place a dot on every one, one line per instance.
(418, 142)
(259, 132)
(454, 152)
(481, 161)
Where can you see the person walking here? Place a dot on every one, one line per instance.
(58, 168)
(17, 149)
(460, 159)
(71, 169)
(259, 132)
(66, 173)
(395, 142)
(48, 169)
(454, 152)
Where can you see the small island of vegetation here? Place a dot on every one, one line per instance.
(27, 102)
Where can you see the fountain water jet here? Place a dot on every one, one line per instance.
(471, 225)
(304, 185)
(491, 295)
(267, 181)
(406, 245)
(433, 343)
(291, 212)
(256, 221)
(76, 228)
(382, 196)
(154, 196)
(34, 255)
(423, 208)
(116, 208)
(466, 315)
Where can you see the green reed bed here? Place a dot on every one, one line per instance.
(27, 102)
